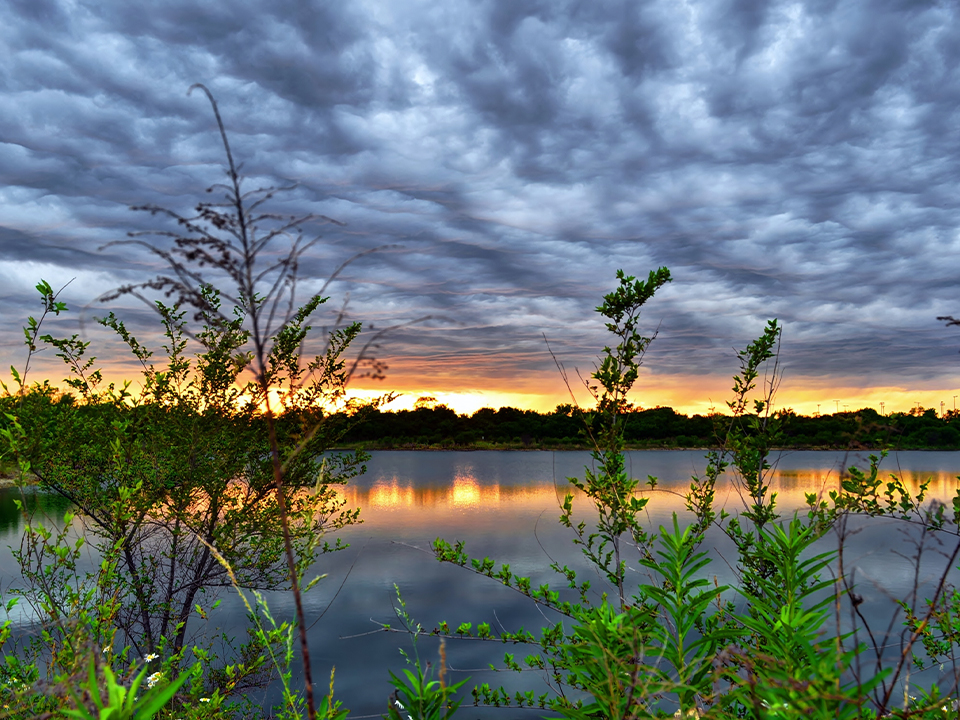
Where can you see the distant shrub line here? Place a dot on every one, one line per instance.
(440, 427)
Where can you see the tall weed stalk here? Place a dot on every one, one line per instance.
(214, 474)
(769, 646)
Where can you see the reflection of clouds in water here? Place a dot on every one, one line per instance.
(793, 485)
(943, 485)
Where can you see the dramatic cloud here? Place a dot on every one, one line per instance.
(790, 160)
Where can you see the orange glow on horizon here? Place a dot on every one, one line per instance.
(688, 395)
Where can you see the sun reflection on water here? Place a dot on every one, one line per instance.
(462, 490)
(467, 492)
(390, 494)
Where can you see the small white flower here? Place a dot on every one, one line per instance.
(154, 679)
(204, 699)
(151, 656)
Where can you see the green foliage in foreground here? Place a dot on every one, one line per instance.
(176, 492)
(776, 644)
(178, 495)
(185, 488)
(179, 502)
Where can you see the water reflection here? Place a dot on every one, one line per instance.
(505, 505)
(383, 496)
(49, 506)
(460, 492)
(512, 483)
(467, 493)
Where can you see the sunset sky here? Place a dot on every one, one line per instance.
(790, 160)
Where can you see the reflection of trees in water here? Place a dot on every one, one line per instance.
(48, 505)
(942, 484)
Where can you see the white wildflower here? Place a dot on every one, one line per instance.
(153, 679)
(400, 705)
(204, 699)
(151, 656)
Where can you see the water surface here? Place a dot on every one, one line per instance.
(505, 505)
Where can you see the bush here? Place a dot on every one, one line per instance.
(213, 476)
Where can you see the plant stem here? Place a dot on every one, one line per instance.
(291, 560)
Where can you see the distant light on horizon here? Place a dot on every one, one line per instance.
(800, 400)
(495, 164)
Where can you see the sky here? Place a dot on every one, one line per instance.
(790, 160)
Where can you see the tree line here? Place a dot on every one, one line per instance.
(566, 427)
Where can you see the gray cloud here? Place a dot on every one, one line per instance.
(783, 159)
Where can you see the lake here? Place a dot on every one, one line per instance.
(505, 505)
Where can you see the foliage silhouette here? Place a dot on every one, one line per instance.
(196, 481)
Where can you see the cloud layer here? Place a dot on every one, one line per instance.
(790, 160)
